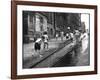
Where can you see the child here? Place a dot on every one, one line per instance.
(37, 46)
(45, 41)
(67, 36)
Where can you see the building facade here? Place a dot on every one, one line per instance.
(35, 24)
(67, 22)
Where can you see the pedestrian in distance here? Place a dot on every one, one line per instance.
(62, 35)
(57, 36)
(77, 36)
(71, 36)
(67, 36)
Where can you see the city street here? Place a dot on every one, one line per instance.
(59, 54)
(55, 58)
(82, 58)
(30, 57)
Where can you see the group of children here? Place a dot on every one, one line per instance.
(44, 39)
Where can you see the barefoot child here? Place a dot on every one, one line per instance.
(37, 46)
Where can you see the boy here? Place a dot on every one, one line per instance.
(37, 46)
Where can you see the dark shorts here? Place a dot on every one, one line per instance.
(67, 37)
(37, 46)
(46, 43)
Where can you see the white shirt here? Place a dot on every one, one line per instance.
(45, 38)
(38, 40)
(56, 35)
(71, 34)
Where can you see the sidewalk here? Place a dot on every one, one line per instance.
(30, 58)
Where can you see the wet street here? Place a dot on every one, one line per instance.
(59, 54)
(81, 59)
(68, 57)
(31, 58)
